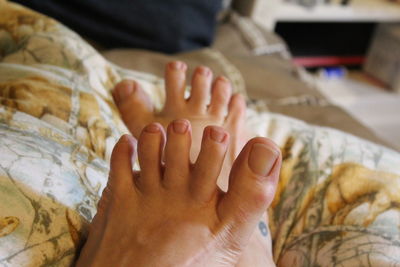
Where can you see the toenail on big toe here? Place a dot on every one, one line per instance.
(262, 159)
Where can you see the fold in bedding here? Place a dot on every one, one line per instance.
(337, 201)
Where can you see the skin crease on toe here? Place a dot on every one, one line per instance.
(174, 225)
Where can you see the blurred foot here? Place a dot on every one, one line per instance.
(222, 110)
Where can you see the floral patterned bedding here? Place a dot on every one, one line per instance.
(338, 201)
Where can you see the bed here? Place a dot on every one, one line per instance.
(337, 200)
(259, 64)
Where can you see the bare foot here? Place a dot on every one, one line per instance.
(173, 214)
(223, 110)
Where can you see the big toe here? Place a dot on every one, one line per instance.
(134, 105)
(252, 185)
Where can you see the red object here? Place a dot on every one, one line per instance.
(328, 61)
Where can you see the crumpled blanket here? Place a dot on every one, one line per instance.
(338, 200)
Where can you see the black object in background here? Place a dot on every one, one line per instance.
(162, 25)
(345, 2)
(326, 38)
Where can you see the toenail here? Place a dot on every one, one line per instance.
(126, 90)
(126, 138)
(180, 127)
(223, 79)
(217, 135)
(177, 65)
(152, 128)
(262, 159)
(204, 71)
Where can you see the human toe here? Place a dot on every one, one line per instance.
(209, 162)
(221, 93)
(150, 147)
(236, 111)
(252, 185)
(175, 84)
(201, 84)
(177, 154)
(134, 105)
(121, 178)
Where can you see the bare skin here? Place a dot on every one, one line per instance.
(173, 213)
(224, 110)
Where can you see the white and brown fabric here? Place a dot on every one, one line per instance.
(338, 197)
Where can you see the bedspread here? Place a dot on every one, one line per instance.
(338, 197)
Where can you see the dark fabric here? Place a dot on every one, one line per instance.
(162, 25)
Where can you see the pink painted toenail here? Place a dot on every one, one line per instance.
(203, 71)
(152, 128)
(126, 90)
(180, 126)
(217, 135)
(262, 158)
(177, 65)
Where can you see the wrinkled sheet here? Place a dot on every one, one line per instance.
(337, 201)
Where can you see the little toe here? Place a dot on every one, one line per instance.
(201, 83)
(177, 154)
(121, 170)
(209, 163)
(252, 185)
(175, 84)
(221, 93)
(150, 147)
(134, 105)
